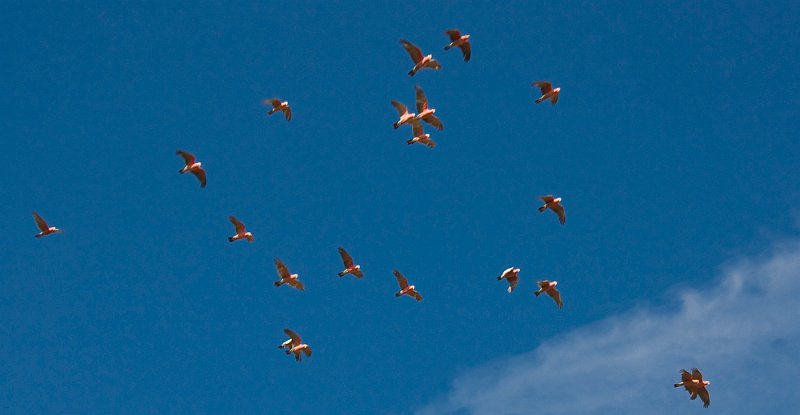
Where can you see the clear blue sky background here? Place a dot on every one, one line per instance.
(674, 145)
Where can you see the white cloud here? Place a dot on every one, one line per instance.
(743, 333)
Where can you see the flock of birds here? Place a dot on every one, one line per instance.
(693, 382)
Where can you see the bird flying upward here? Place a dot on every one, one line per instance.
(349, 268)
(547, 92)
(554, 204)
(460, 41)
(549, 288)
(512, 276)
(420, 136)
(241, 232)
(286, 277)
(295, 345)
(695, 385)
(405, 288)
(424, 113)
(192, 166)
(44, 228)
(420, 61)
(278, 105)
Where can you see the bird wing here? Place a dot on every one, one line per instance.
(685, 376)
(466, 50)
(346, 258)
(556, 295)
(696, 375)
(434, 121)
(703, 392)
(428, 142)
(401, 279)
(416, 295)
(513, 280)
(287, 112)
(283, 272)
(433, 64)
(547, 198)
(559, 210)
(237, 224)
(454, 34)
(545, 87)
(422, 100)
(188, 158)
(505, 273)
(401, 109)
(201, 175)
(543, 283)
(294, 282)
(40, 222)
(275, 102)
(417, 129)
(307, 351)
(358, 273)
(292, 335)
(554, 98)
(413, 51)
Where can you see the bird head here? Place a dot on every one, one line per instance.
(294, 276)
(557, 90)
(557, 200)
(516, 270)
(357, 267)
(554, 283)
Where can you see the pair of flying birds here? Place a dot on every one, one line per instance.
(420, 62)
(547, 287)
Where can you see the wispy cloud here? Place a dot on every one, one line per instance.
(743, 332)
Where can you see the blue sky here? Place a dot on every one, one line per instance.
(674, 145)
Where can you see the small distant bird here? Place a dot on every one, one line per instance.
(192, 166)
(349, 268)
(241, 232)
(462, 42)
(512, 276)
(419, 61)
(277, 105)
(695, 385)
(43, 227)
(553, 204)
(420, 136)
(405, 116)
(549, 288)
(547, 92)
(424, 113)
(406, 289)
(286, 277)
(295, 345)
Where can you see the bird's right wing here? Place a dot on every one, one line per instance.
(703, 392)
(512, 283)
(556, 295)
(275, 102)
(454, 34)
(696, 375)
(428, 142)
(545, 87)
(346, 258)
(416, 128)
(307, 351)
(422, 100)
(201, 175)
(543, 283)
(283, 272)
(417, 296)
(188, 158)
(288, 113)
(292, 335)
(559, 210)
(40, 222)
(547, 198)
(401, 279)
(237, 224)
(296, 284)
(401, 109)
(413, 51)
(434, 121)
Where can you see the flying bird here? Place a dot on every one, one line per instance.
(424, 113)
(547, 92)
(277, 105)
(349, 268)
(420, 136)
(241, 232)
(695, 385)
(419, 61)
(295, 345)
(406, 289)
(553, 204)
(512, 276)
(286, 277)
(549, 288)
(462, 42)
(44, 227)
(192, 166)
(405, 116)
